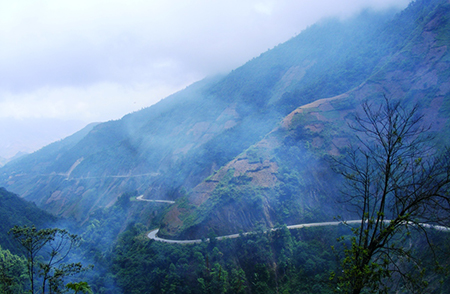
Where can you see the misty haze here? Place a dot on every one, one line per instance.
(225, 147)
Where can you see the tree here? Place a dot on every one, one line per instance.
(12, 272)
(80, 287)
(396, 180)
(46, 252)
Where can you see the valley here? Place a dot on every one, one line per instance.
(350, 119)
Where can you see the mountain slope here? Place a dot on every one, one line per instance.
(169, 149)
(285, 178)
(16, 211)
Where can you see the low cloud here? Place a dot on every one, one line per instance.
(96, 60)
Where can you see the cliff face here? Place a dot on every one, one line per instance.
(249, 147)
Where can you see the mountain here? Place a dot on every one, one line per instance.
(281, 179)
(21, 136)
(249, 148)
(4, 161)
(17, 211)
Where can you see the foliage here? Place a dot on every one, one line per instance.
(46, 251)
(17, 211)
(280, 261)
(263, 262)
(12, 272)
(80, 287)
(396, 182)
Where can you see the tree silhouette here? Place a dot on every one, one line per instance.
(46, 251)
(396, 180)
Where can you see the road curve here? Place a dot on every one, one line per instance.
(141, 198)
(153, 234)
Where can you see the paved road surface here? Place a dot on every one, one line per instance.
(141, 198)
(153, 234)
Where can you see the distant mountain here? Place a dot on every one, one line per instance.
(28, 135)
(248, 148)
(18, 155)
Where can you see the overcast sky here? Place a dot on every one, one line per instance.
(81, 61)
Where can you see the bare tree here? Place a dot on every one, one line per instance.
(396, 180)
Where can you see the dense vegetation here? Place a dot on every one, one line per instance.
(12, 272)
(256, 263)
(282, 261)
(16, 211)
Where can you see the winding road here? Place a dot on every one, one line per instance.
(153, 234)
